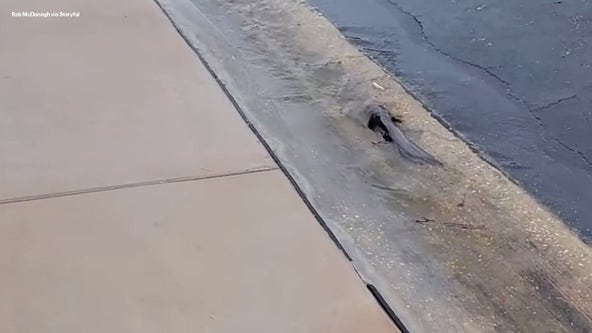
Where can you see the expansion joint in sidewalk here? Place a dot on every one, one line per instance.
(132, 185)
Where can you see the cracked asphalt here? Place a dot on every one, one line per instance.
(513, 78)
(457, 248)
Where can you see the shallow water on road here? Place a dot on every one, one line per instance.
(452, 248)
(514, 78)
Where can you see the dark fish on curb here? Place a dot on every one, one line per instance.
(381, 121)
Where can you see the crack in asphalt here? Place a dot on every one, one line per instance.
(532, 112)
(563, 99)
(507, 84)
(582, 155)
(425, 37)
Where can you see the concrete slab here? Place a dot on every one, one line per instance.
(114, 96)
(233, 254)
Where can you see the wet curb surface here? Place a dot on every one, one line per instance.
(457, 248)
(514, 79)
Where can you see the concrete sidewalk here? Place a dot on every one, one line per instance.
(134, 199)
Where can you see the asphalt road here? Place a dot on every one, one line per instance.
(513, 78)
(453, 249)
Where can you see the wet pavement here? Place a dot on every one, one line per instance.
(126, 204)
(455, 247)
(513, 79)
